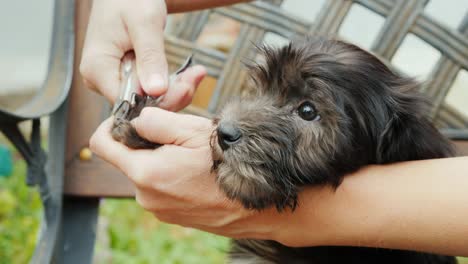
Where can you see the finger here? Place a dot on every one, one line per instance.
(122, 157)
(101, 74)
(138, 165)
(104, 146)
(164, 127)
(182, 90)
(147, 34)
(100, 60)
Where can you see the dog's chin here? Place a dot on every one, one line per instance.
(247, 183)
(248, 191)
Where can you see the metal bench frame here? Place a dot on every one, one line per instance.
(46, 170)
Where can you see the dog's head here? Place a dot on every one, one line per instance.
(321, 108)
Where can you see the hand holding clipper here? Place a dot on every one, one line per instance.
(130, 103)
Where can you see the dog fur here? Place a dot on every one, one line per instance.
(123, 130)
(360, 113)
(365, 114)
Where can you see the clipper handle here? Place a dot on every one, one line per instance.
(128, 77)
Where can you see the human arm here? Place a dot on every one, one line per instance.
(117, 26)
(177, 6)
(417, 205)
(420, 205)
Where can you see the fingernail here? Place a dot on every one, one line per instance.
(156, 84)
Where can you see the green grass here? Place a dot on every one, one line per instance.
(135, 236)
(20, 214)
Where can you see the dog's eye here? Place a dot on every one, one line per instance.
(307, 111)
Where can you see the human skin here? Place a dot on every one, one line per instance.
(117, 26)
(417, 205)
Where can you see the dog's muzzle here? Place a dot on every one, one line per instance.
(228, 135)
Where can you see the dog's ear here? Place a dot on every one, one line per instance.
(408, 137)
(408, 133)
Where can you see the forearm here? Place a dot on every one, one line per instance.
(177, 6)
(418, 205)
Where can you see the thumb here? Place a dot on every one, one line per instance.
(147, 37)
(182, 90)
(165, 127)
(101, 73)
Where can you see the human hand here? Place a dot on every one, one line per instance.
(174, 181)
(117, 26)
(368, 209)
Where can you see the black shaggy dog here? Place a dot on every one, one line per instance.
(320, 109)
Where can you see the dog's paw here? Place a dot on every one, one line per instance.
(124, 132)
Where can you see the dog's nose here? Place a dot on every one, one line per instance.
(228, 135)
